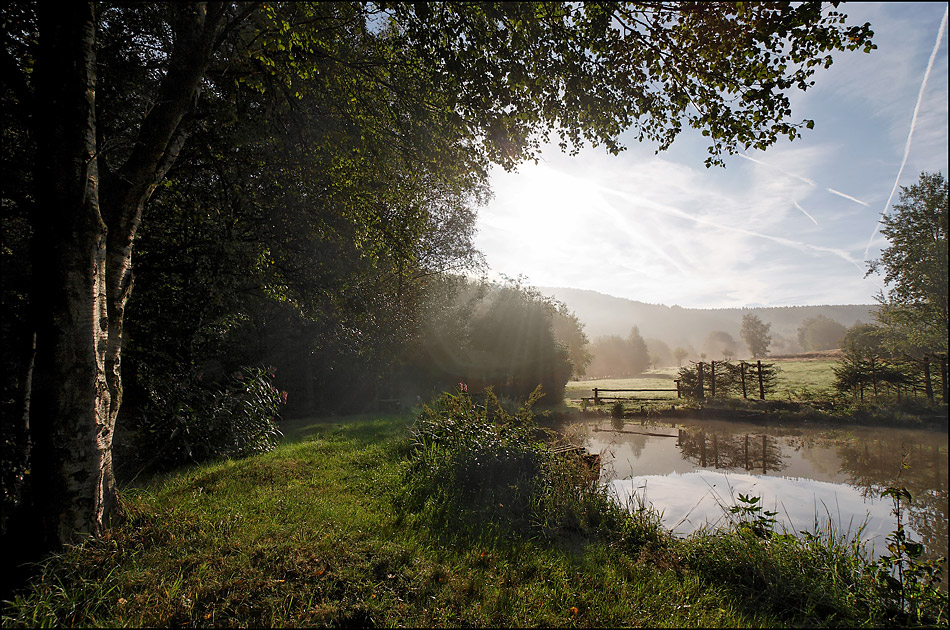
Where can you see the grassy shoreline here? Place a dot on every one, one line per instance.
(804, 394)
(311, 534)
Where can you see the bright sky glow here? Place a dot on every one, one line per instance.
(788, 226)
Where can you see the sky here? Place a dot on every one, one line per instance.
(792, 225)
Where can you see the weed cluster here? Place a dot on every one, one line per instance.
(477, 466)
(907, 584)
(183, 422)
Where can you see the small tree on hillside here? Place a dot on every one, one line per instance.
(756, 335)
(639, 355)
(719, 342)
(680, 353)
(820, 333)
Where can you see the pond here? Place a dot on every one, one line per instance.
(694, 470)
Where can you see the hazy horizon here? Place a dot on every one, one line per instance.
(544, 289)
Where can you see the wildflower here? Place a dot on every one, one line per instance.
(573, 610)
(463, 387)
(283, 398)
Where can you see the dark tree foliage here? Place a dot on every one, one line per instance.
(569, 332)
(309, 253)
(854, 375)
(601, 68)
(870, 364)
(504, 336)
(513, 347)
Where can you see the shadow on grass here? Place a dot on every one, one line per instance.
(362, 427)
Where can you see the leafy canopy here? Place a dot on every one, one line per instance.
(513, 72)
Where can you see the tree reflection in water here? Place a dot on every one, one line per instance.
(731, 451)
(864, 459)
(873, 463)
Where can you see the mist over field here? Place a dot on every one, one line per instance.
(604, 315)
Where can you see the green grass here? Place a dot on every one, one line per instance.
(659, 379)
(309, 535)
(794, 375)
(811, 377)
(797, 380)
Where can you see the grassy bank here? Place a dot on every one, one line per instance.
(811, 376)
(315, 533)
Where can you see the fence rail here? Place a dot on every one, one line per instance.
(599, 390)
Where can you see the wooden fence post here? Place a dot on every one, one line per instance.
(928, 383)
(700, 393)
(943, 376)
(678, 394)
(761, 386)
(874, 378)
(742, 376)
(596, 399)
(712, 379)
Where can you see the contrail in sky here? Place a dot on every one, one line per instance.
(805, 213)
(840, 253)
(751, 159)
(804, 179)
(841, 194)
(913, 123)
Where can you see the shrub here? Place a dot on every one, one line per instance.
(474, 463)
(182, 421)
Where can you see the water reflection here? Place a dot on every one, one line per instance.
(693, 500)
(692, 471)
(732, 451)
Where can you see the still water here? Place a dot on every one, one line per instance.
(693, 471)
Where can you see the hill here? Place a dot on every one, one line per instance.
(604, 314)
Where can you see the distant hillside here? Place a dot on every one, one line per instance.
(677, 326)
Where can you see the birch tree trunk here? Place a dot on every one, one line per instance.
(69, 414)
(84, 231)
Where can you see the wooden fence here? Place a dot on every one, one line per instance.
(712, 379)
(598, 390)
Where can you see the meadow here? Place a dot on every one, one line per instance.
(797, 378)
